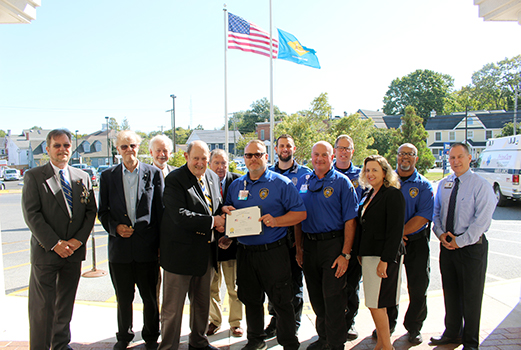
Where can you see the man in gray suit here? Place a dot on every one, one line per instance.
(59, 208)
(160, 148)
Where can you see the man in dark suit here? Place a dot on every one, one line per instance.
(59, 208)
(130, 211)
(160, 148)
(226, 260)
(188, 246)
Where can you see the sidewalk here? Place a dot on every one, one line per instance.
(94, 324)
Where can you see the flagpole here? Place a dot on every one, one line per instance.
(226, 81)
(272, 154)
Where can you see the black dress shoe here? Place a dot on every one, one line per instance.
(207, 347)
(469, 348)
(442, 340)
(415, 338)
(121, 345)
(352, 333)
(318, 345)
(271, 331)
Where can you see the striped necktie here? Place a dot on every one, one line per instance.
(206, 195)
(449, 223)
(67, 190)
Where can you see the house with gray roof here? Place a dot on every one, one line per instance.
(216, 138)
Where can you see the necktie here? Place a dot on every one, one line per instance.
(449, 224)
(221, 187)
(67, 190)
(206, 195)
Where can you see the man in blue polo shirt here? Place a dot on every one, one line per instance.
(287, 166)
(419, 205)
(324, 241)
(344, 150)
(263, 264)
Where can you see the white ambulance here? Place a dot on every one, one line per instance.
(500, 164)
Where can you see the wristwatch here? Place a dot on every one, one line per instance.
(347, 256)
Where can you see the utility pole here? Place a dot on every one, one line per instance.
(173, 121)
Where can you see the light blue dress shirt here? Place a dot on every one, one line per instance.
(475, 205)
(130, 185)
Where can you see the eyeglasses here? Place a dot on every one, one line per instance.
(344, 148)
(132, 145)
(406, 154)
(256, 155)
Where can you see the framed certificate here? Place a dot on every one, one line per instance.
(244, 222)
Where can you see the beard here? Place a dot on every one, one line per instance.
(285, 159)
(405, 167)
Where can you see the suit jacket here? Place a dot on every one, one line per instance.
(380, 229)
(186, 231)
(45, 212)
(231, 252)
(143, 245)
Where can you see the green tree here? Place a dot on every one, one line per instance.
(412, 131)
(2, 133)
(177, 159)
(259, 112)
(113, 124)
(125, 124)
(241, 144)
(425, 90)
(508, 129)
(359, 130)
(36, 128)
(382, 139)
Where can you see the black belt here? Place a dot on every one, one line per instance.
(324, 236)
(416, 236)
(264, 247)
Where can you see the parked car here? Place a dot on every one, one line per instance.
(80, 166)
(94, 176)
(102, 168)
(11, 174)
(2, 185)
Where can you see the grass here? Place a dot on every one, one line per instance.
(435, 176)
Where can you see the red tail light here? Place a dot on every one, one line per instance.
(515, 179)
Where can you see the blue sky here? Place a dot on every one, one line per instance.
(81, 61)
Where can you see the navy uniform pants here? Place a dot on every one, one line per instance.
(268, 272)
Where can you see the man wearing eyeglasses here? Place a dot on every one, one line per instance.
(344, 150)
(287, 166)
(59, 208)
(263, 264)
(324, 241)
(130, 211)
(419, 200)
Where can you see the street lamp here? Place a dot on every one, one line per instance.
(77, 154)
(108, 141)
(466, 123)
(173, 121)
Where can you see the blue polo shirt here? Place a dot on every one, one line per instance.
(353, 172)
(274, 193)
(419, 198)
(294, 173)
(330, 202)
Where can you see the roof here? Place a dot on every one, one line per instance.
(376, 116)
(213, 136)
(470, 141)
(31, 134)
(492, 120)
(393, 121)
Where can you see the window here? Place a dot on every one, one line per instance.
(262, 135)
(488, 134)
(470, 134)
(86, 147)
(452, 136)
(438, 136)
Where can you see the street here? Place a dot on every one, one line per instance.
(504, 261)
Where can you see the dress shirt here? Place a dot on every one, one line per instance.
(67, 177)
(130, 185)
(475, 205)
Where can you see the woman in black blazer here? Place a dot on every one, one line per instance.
(380, 229)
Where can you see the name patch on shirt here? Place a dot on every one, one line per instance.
(328, 191)
(413, 192)
(448, 184)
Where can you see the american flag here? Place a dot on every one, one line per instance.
(246, 36)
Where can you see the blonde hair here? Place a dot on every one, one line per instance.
(390, 178)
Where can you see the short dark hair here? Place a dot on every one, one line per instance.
(56, 133)
(464, 145)
(284, 136)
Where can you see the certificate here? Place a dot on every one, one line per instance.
(244, 222)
